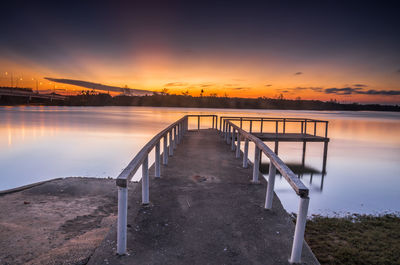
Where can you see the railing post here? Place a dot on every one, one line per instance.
(145, 180)
(165, 151)
(270, 188)
(229, 134)
(225, 129)
(276, 127)
(299, 232)
(238, 145)
(226, 132)
(256, 166)
(212, 122)
(198, 122)
(220, 124)
(233, 139)
(261, 125)
(284, 126)
(326, 129)
(241, 122)
(178, 126)
(251, 126)
(315, 128)
(122, 220)
(302, 124)
(171, 144)
(157, 160)
(246, 153)
(175, 138)
(305, 127)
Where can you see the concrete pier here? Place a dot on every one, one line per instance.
(204, 209)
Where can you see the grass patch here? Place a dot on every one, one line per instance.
(355, 239)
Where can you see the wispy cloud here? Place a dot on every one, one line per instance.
(360, 85)
(268, 85)
(360, 91)
(97, 86)
(316, 89)
(342, 90)
(240, 88)
(176, 84)
(298, 73)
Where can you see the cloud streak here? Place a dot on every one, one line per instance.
(176, 84)
(298, 73)
(360, 91)
(96, 86)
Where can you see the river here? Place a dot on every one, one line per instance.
(363, 164)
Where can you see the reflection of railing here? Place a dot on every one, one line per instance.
(233, 133)
(304, 123)
(174, 133)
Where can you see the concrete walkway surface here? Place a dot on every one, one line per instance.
(204, 210)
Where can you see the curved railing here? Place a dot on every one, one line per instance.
(171, 135)
(234, 133)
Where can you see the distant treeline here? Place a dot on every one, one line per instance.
(92, 99)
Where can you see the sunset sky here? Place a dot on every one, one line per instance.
(344, 50)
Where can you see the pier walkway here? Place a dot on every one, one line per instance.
(203, 208)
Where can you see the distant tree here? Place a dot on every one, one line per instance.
(164, 91)
(186, 93)
(201, 92)
(213, 95)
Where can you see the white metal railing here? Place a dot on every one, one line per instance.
(232, 133)
(174, 133)
(303, 122)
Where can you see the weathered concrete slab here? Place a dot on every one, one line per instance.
(204, 210)
(57, 222)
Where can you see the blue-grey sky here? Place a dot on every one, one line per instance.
(311, 49)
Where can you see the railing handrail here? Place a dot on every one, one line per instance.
(127, 174)
(270, 119)
(130, 170)
(286, 172)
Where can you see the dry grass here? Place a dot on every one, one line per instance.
(355, 239)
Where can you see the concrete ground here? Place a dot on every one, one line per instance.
(58, 222)
(204, 210)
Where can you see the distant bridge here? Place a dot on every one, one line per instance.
(29, 94)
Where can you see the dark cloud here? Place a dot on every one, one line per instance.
(360, 91)
(298, 73)
(316, 89)
(341, 91)
(360, 85)
(97, 86)
(381, 92)
(240, 88)
(268, 85)
(176, 84)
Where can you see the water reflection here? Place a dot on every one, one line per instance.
(303, 172)
(363, 169)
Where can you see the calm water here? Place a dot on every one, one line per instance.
(363, 169)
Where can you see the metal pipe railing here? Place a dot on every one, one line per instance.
(275, 164)
(174, 133)
(303, 122)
